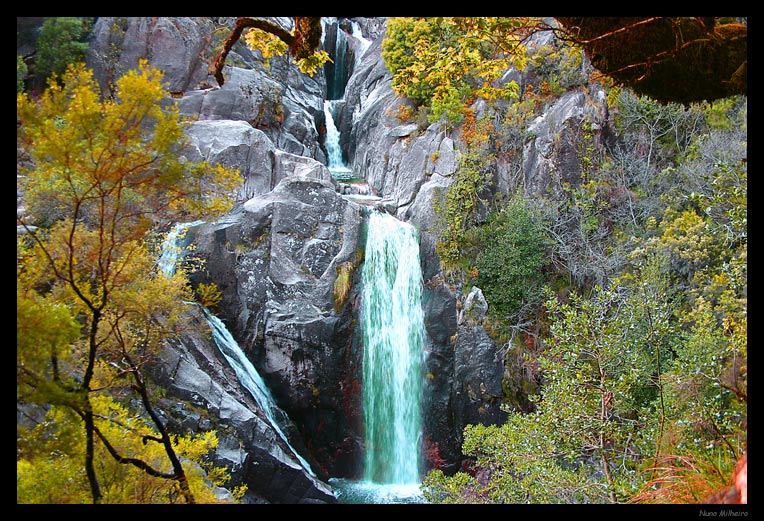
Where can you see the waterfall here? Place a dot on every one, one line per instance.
(393, 335)
(249, 378)
(363, 43)
(336, 165)
(334, 95)
(393, 332)
(355, 189)
(352, 186)
(245, 371)
(171, 249)
(335, 71)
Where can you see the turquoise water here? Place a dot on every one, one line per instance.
(365, 492)
(393, 334)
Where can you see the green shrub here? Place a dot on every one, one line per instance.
(61, 42)
(21, 73)
(511, 258)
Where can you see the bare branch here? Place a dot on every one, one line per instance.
(303, 42)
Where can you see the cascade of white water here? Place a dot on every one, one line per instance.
(336, 165)
(245, 371)
(249, 378)
(171, 249)
(363, 43)
(393, 333)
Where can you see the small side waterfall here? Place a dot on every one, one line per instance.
(249, 378)
(170, 248)
(363, 43)
(230, 349)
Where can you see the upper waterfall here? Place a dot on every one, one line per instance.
(336, 165)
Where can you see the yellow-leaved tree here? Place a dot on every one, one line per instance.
(96, 179)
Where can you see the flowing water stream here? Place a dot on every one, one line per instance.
(229, 347)
(336, 164)
(393, 329)
(393, 332)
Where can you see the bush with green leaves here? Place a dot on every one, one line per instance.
(510, 263)
(643, 380)
(443, 62)
(62, 42)
(583, 441)
(21, 73)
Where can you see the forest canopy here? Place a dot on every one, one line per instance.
(671, 59)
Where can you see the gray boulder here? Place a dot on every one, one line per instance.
(551, 156)
(271, 95)
(236, 144)
(179, 46)
(198, 378)
(276, 260)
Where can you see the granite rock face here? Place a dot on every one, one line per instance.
(276, 260)
(279, 254)
(271, 95)
(197, 378)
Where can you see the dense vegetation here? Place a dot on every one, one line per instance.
(99, 179)
(623, 299)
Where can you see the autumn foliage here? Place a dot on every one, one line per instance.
(97, 180)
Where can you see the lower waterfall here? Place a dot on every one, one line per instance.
(392, 322)
(393, 333)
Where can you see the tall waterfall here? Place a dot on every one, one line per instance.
(393, 332)
(245, 371)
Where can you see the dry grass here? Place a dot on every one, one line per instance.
(681, 480)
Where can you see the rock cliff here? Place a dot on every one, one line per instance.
(277, 256)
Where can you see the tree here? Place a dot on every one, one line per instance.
(444, 62)
(670, 59)
(62, 41)
(96, 179)
(582, 443)
(21, 73)
(303, 42)
(510, 263)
